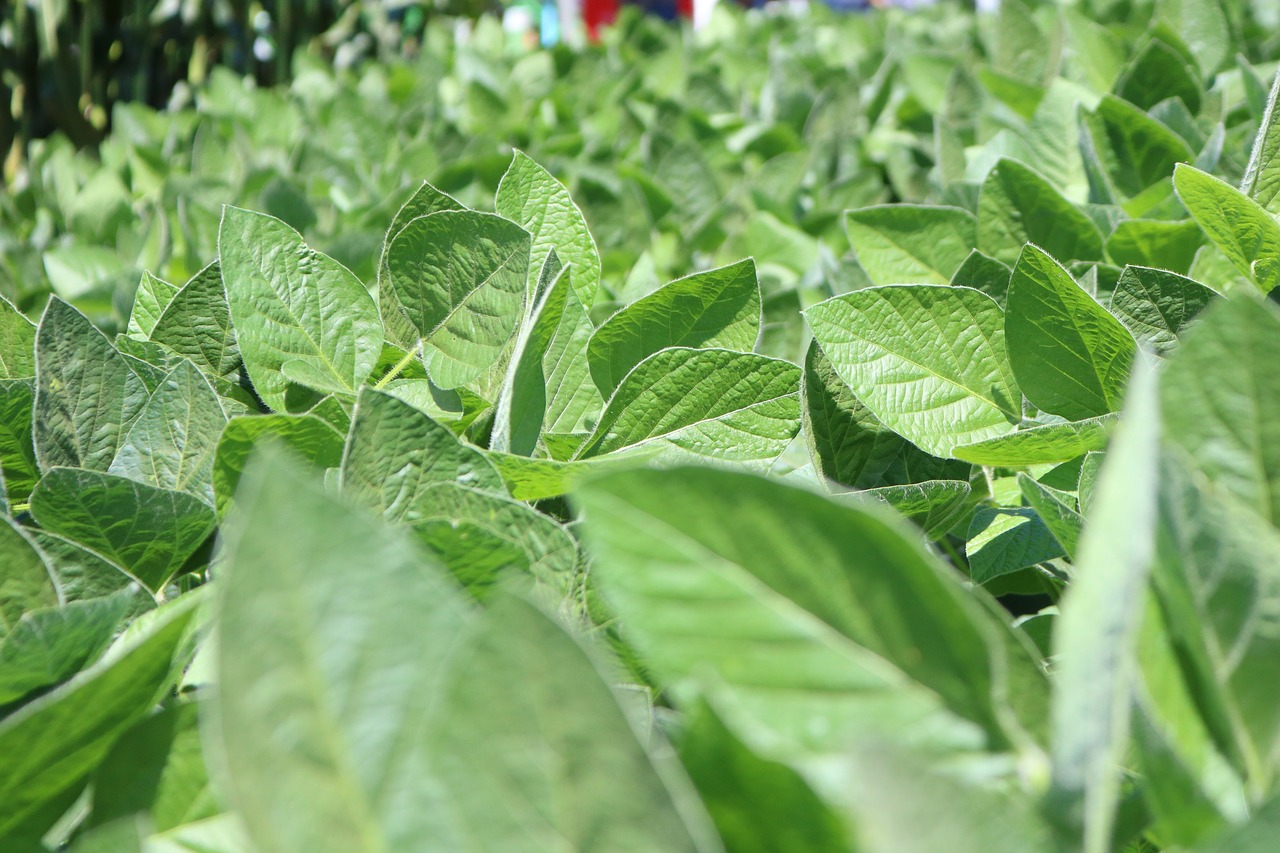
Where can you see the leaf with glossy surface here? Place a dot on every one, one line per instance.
(300, 316)
(307, 437)
(1220, 400)
(530, 196)
(911, 243)
(714, 403)
(460, 279)
(87, 395)
(1040, 445)
(715, 308)
(171, 442)
(1071, 357)
(928, 361)
(1017, 206)
(1095, 634)
(1237, 225)
(147, 530)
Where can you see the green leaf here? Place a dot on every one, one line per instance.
(985, 273)
(929, 361)
(150, 300)
(541, 752)
(1262, 176)
(1056, 509)
(849, 446)
(1156, 304)
(460, 279)
(87, 395)
(308, 438)
(197, 325)
(1221, 402)
(531, 197)
(171, 442)
(1136, 152)
(17, 343)
(396, 453)
(1159, 72)
(1238, 225)
(710, 403)
(1040, 445)
(300, 316)
(1071, 357)
(1096, 632)
(425, 200)
(17, 448)
(148, 531)
(49, 645)
(860, 625)
(82, 574)
(1257, 835)
(911, 243)
(27, 582)
(715, 308)
(1003, 540)
(758, 805)
(536, 479)
(1152, 243)
(934, 505)
(53, 742)
(1017, 206)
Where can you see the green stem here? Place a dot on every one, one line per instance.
(395, 371)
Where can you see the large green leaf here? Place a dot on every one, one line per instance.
(849, 446)
(828, 627)
(322, 700)
(28, 581)
(1237, 225)
(911, 243)
(1153, 243)
(1004, 540)
(17, 343)
(1040, 445)
(147, 530)
(1071, 356)
(1156, 304)
(530, 196)
(87, 394)
(928, 361)
(1018, 206)
(1136, 151)
(460, 280)
(300, 316)
(712, 403)
(197, 325)
(1096, 632)
(171, 442)
(51, 743)
(307, 438)
(716, 308)
(395, 453)
(425, 200)
(1221, 402)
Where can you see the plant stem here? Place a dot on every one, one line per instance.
(395, 371)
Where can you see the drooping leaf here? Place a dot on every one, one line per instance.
(1237, 225)
(87, 395)
(715, 308)
(147, 530)
(530, 196)
(460, 280)
(911, 243)
(928, 361)
(1071, 356)
(300, 316)
(712, 403)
